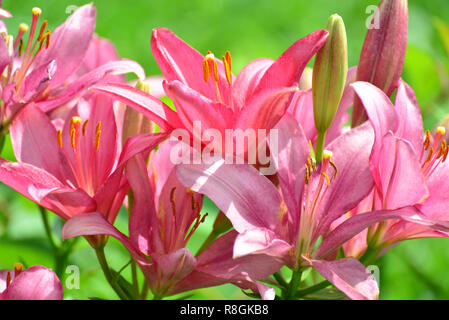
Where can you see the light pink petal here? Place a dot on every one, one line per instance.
(148, 105)
(69, 202)
(402, 179)
(5, 58)
(381, 114)
(5, 13)
(176, 265)
(290, 152)
(35, 283)
(411, 124)
(69, 43)
(79, 85)
(138, 144)
(286, 71)
(301, 108)
(353, 181)
(359, 222)
(349, 276)
(261, 241)
(247, 198)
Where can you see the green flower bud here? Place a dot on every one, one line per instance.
(329, 74)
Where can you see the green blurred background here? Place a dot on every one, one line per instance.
(415, 269)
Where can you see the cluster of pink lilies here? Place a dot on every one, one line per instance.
(346, 188)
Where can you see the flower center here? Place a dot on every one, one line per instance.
(84, 152)
(313, 195)
(210, 70)
(30, 52)
(433, 154)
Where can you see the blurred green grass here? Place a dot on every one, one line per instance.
(249, 29)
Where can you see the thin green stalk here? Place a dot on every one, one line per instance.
(312, 289)
(107, 273)
(144, 292)
(294, 284)
(321, 136)
(47, 228)
(280, 279)
(135, 281)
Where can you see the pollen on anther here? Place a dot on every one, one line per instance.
(327, 154)
(36, 11)
(17, 268)
(441, 131)
(59, 137)
(23, 27)
(84, 130)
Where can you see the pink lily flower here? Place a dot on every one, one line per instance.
(73, 167)
(287, 224)
(204, 89)
(409, 169)
(34, 283)
(37, 70)
(164, 216)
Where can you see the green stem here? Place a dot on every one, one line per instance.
(134, 278)
(280, 279)
(294, 284)
(319, 146)
(144, 292)
(312, 289)
(210, 239)
(107, 273)
(47, 228)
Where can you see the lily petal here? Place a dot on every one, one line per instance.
(350, 276)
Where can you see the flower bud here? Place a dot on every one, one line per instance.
(134, 122)
(329, 74)
(383, 53)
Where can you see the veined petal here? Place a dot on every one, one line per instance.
(353, 180)
(35, 142)
(69, 43)
(403, 182)
(286, 71)
(349, 276)
(176, 265)
(94, 223)
(179, 61)
(359, 222)
(35, 283)
(247, 80)
(411, 124)
(381, 114)
(192, 106)
(247, 198)
(76, 87)
(290, 152)
(261, 241)
(5, 58)
(148, 105)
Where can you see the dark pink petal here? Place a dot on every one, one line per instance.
(411, 124)
(286, 71)
(301, 108)
(265, 109)
(143, 222)
(292, 152)
(69, 202)
(138, 144)
(77, 86)
(69, 43)
(349, 276)
(89, 224)
(353, 181)
(247, 198)
(403, 183)
(35, 283)
(148, 105)
(179, 61)
(32, 182)
(192, 106)
(246, 81)
(34, 141)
